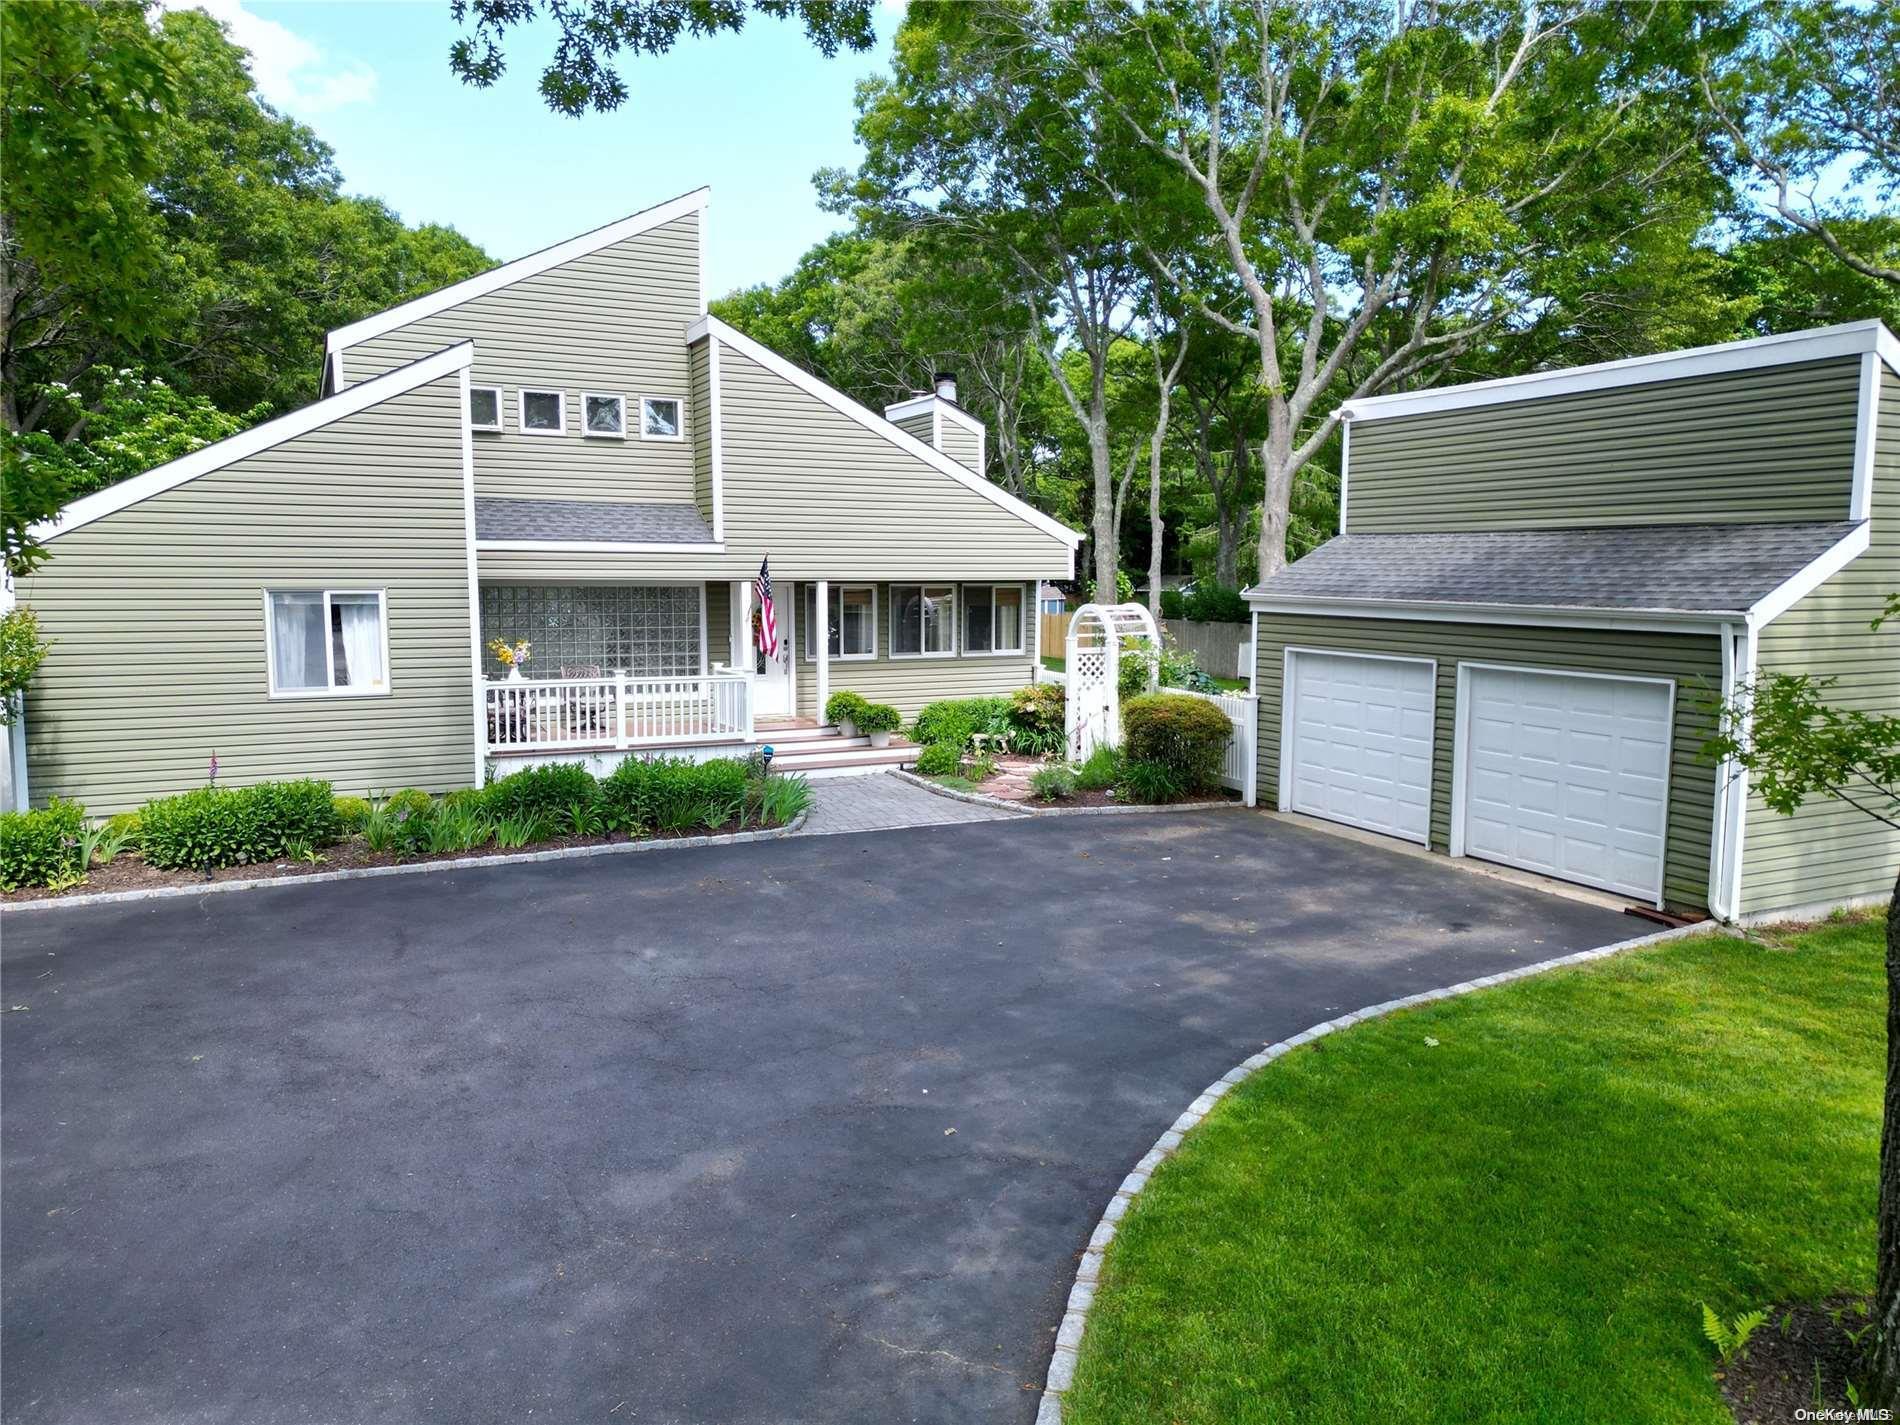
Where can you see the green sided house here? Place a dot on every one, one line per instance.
(567, 451)
(1543, 587)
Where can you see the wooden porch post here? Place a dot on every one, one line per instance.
(822, 633)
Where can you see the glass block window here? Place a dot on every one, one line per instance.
(647, 630)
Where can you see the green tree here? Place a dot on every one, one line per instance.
(581, 76)
(1808, 105)
(1385, 184)
(83, 91)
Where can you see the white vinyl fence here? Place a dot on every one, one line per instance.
(1241, 768)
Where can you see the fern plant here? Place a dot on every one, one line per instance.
(1730, 1338)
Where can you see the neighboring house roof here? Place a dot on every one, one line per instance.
(1820, 344)
(216, 456)
(521, 268)
(1725, 569)
(563, 520)
(872, 421)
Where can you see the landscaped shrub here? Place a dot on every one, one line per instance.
(1150, 782)
(1052, 783)
(1213, 603)
(546, 791)
(351, 813)
(844, 706)
(410, 801)
(1173, 604)
(878, 717)
(1036, 712)
(940, 759)
(1101, 770)
(1187, 735)
(41, 848)
(957, 720)
(125, 824)
(237, 826)
(722, 787)
(623, 795)
(683, 795)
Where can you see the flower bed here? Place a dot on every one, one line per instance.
(297, 828)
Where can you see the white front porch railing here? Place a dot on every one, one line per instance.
(539, 715)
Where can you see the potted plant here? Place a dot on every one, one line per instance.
(842, 709)
(878, 721)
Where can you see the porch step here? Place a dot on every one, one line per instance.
(862, 755)
(791, 733)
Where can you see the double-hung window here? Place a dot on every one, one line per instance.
(327, 642)
(993, 618)
(851, 621)
(923, 620)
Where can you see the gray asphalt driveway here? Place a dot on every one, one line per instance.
(811, 1130)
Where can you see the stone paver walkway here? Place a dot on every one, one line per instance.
(881, 802)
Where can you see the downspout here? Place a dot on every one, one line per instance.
(1725, 774)
(1738, 814)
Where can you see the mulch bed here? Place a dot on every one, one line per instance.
(1804, 1363)
(1010, 783)
(128, 872)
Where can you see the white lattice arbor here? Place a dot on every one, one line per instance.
(1098, 634)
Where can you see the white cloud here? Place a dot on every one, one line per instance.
(291, 73)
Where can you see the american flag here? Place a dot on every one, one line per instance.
(768, 617)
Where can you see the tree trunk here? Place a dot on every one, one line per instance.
(1276, 464)
(1102, 523)
(1886, 1364)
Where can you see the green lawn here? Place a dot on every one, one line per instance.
(1228, 685)
(1518, 1222)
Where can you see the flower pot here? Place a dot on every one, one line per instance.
(514, 676)
(847, 727)
(880, 739)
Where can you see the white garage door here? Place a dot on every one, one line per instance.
(1567, 775)
(1359, 741)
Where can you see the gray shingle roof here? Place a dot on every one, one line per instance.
(1711, 568)
(589, 520)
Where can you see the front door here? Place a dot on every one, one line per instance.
(772, 677)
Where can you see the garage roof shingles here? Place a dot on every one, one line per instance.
(1710, 568)
(591, 520)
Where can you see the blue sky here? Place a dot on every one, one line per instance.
(752, 114)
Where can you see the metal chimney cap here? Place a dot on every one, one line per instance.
(946, 384)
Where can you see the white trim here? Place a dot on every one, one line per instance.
(336, 372)
(1816, 572)
(1861, 501)
(705, 654)
(330, 690)
(716, 439)
(839, 588)
(1721, 836)
(1536, 616)
(592, 546)
(521, 410)
(1821, 344)
(956, 617)
(938, 407)
(821, 599)
(477, 709)
(1022, 647)
(1745, 669)
(871, 421)
(521, 268)
(1288, 700)
(679, 417)
(468, 411)
(587, 431)
(1345, 464)
(1460, 759)
(231, 449)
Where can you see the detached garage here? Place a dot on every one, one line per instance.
(1536, 699)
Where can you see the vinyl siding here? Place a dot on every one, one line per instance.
(156, 615)
(825, 498)
(1694, 661)
(699, 425)
(920, 425)
(612, 322)
(1827, 851)
(963, 446)
(1775, 443)
(909, 683)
